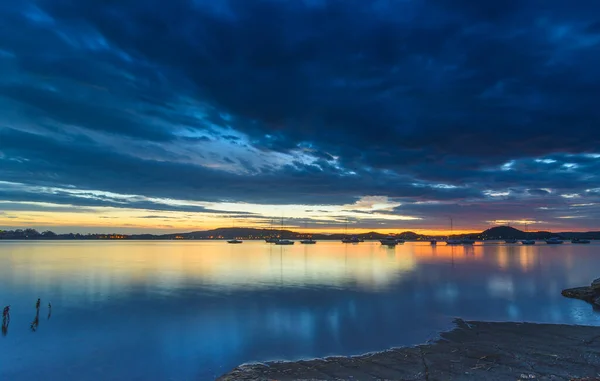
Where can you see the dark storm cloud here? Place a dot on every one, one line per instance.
(445, 76)
(90, 167)
(64, 109)
(392, 98)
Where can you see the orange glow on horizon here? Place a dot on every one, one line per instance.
(132, 221)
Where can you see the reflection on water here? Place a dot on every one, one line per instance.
(192, 310)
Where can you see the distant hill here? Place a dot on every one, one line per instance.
(508, 232)
(503, 232)
(253, 233)
(411, 236)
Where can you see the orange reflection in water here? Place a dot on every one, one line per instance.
(105, 266)
(424, 251)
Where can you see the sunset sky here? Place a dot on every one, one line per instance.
(151, 116)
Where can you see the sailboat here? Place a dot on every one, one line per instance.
(309, 240)
(353, 239)
(554, 241)
(235, 240)
(527, 241)
(283, 241)
(450, 241)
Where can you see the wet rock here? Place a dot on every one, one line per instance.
(589, 294)
(471, 351)
(584, 293)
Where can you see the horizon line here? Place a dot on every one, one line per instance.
(422, 232)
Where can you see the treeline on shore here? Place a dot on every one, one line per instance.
(495, 233)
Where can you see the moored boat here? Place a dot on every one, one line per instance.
(451, 241)
(433, 242)
(234, 241)
(467, 241)
(580, 241)
(389, 241)
(554, 241)
(351, 240)
(510, 240)
(528, 242)
(309, 240)
(284, 242)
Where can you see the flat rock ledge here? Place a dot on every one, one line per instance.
(471, 351)
(590, 294)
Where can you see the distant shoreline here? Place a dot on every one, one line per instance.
(473, 350)
(496, 233)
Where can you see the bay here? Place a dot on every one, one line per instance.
(192, 310)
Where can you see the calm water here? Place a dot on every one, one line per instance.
(194, 310)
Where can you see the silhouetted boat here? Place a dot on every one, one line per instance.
(234, 241)
(527, 241)
(554, 241)
(271, 240)
(467, 241)
(353, 239)
(450, 241)
(510, 240)
(389, 241)
(280, 241)
(309, 240)
(433, 242)
(580, 241)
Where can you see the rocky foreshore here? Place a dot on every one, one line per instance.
(590, 294)
(471, 351)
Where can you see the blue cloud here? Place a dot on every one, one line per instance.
(344, 99)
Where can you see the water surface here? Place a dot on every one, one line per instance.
(193, 310)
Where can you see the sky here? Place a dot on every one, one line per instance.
(388, 115)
